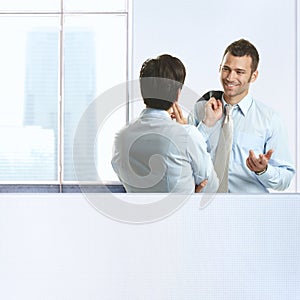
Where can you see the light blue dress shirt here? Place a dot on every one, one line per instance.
(256, 127)
(156, 154)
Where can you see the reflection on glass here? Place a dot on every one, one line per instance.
(104, 143)
(94, 61)
(29, 97)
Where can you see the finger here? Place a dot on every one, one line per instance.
(256, 162)
(249, 164)
(263, 162)
(176, 112)
(200, 186)
(252, 158)
(261, 158)
(178, 115)
(269, 154)
(219, 103)
(212, 102)
(252, 154)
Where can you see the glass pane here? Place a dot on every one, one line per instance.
(30, 5)
(95, 60)
(29, 97)
(93, 6)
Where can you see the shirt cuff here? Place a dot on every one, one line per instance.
(269, 174)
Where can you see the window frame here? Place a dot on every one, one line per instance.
(60, 185)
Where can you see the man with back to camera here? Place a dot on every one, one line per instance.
(154, 153)
(259, 157)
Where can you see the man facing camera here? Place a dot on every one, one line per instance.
(154, 154)
(252, 154)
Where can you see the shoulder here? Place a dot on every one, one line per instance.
(193, 134)
(191, 129)
(267, 116)
(262, 107)
(127, 130)
(264, 110)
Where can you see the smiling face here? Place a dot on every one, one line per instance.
(236, 76)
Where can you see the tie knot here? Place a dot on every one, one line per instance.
(228, 117)
(228, 108)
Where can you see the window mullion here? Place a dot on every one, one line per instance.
(61, 98)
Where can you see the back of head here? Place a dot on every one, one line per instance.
(160, 80)
(243, 47)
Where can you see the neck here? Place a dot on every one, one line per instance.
(234, 100)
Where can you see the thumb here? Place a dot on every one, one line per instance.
(269, 154)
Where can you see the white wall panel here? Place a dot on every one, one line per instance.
(57, 246)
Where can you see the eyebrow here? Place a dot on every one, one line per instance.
(238, 69)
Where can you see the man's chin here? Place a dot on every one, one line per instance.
(229, 93)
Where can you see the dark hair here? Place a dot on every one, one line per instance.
(243, 47)
(160, 80)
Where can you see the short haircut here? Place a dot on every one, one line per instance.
(243, 47)
(160, 80)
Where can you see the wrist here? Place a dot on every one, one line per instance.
(262, 172)
(208, 123)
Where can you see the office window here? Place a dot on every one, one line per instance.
(56, 57)
(28, 127)
(95, 61)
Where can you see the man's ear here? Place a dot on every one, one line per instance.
(254, 76)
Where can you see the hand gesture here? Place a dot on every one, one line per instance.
(213, 112)
(177, 114)
(260, 163)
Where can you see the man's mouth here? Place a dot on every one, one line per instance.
(230, 85)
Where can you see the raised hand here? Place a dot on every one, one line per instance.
(213, 111)
(177, 114)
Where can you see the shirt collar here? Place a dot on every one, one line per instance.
(243, 105)
(153, 112)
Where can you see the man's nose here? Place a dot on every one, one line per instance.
(230, 76)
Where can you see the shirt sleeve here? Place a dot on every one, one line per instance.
(206, 131)
(195, 118)
(201, 162)
(197, 113)
(115, 161)
(192, 117)
(281, 169)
